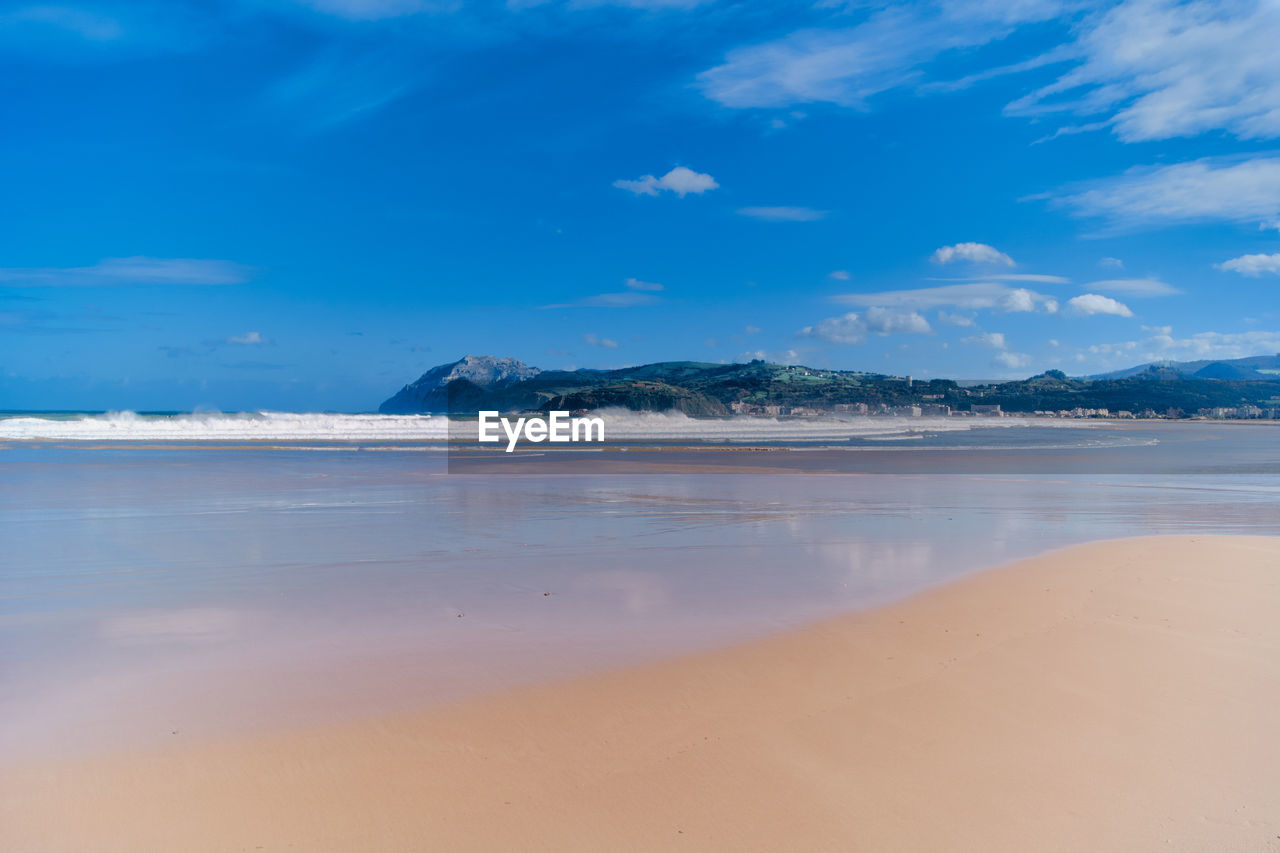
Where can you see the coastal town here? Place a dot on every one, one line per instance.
(994, 410)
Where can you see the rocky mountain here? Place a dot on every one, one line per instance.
(709, 390)
(431, 391)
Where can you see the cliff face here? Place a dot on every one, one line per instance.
(469, 377)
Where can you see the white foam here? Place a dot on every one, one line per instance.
(215, 426)
(620, 425)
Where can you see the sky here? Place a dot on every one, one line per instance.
(305, 204)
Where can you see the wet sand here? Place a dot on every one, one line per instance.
(1112, 696)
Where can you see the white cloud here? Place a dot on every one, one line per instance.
(947, 319)
(849, 329)
(1011, 360)
(976, 296)
(1146, 69)
(629, 299)
(1031, 277)
(852, 328)
(848, 66)
(1089, 304)
(1036, 278)
(1021, 300)
(637, 284)
(839, 275)
(1204, 345)
(1157, 69)
(1252, 265)
(784, 357)
(248, 338)
(883, 321)
(783, 214)
(594, 340)
(752, 330)
(85, 24)
(995, 340)
(679, 180)
(1133, 286)
(978, 253)
(369, 10)
(1207, 190)
(1113, 263)
(125, 271)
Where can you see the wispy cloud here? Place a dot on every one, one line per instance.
(849, 66)
(1207, 190)
(789, 356)
(1252, 265)
(89, 25)
(346, 82)
(104, 30)
(1030, 278)
(593, 340)
(1164, 346)
(839, 275)
(626, 299)
(1011, 360)
(1157, 69)
(127, 271)
(976, 296)
(853, 328)
(681, 180)
(949, 319)
(995, 340)
(977, 253)
(638, 293)
(371, 10)
(247, 339)
(783, 214)
(1147, 69)
(637, 284)
(1133, 287)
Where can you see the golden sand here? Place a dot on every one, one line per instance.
(1119, 696)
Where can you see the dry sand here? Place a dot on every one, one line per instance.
(1120, 696)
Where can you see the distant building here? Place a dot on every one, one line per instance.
(992, 409)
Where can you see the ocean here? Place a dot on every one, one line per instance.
(196, 574)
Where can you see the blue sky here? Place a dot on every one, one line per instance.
(303, 205)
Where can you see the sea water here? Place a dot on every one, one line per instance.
(198, 575)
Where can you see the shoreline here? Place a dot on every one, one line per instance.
(1108, 696)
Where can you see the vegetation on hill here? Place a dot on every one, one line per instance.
(703, 389)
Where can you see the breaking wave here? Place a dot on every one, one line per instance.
(217, 426)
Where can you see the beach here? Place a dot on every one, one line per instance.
(1109, 696)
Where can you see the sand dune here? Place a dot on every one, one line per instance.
(1116, 696)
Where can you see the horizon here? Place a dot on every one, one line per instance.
(301, 204)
